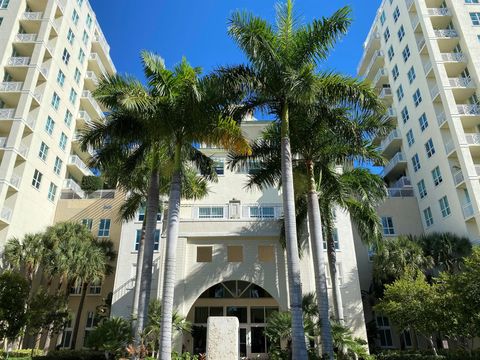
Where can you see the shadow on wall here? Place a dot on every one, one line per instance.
(353, 310)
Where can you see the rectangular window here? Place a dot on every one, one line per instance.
(60, 78)
(417, 98)
(427, 215)
(384, 332)
(49, 125)
(77, 75)
(210, 212)
(475, 16)
(141, 215)
(406, 53)
(335, 240)
(405, 114)
(68, 118)
(395, 72)
(80, 2)
(75, 17)
(37, 179)
(88, 223)
(95, 288)
(81, 56)
(55, 101)
(70, 36)
(66, 56)
(42, 154)
(471, 1)
(73, 96)
(262, 212)
(104, 228)
(234, 253)
(422, 190)
(63, 141)
(429, 148)
(437, 176)
(52, 191)
(219, 166)
(156, 243)
(391, 53)
(386, 34)
(204, 253)
(57, 167)
(89, 21)
(401, 33)
(396, 14)
(383, 18)
(444, 206)
(4, 4)
(85, 37)
(410, 138)
(416, 162)
(411, 75)
(423, 122)
(400, 93)
(387, 224)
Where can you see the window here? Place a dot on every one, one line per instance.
(335, 240)
(478, 36)
(384, 331)
(88, 223)
(49, 125)
(471, 1)
(417, 98)
(73, 96)
(400, 93)
(219, 166)
(141, 215)
(37, 179)
(475, 16)
(57, 168)
(437, 176)
(67, 335)
(77, 75)
(85, 37)
(68, 118)
(427, 215)
(204, 253)
(387, 224)
(89, 21)
(266, 253)
(386, 34)
(55, 101)
(411, 75)
(42, 154)
(95, 288)
(66, 56)
(444, 206)
(156, 243)
(104, 228)
(401, 33)
(70, 36)
(52, 191)
(429, 148)
(80, 2)
(90, 325)
(395, 72)
(210, 212)
(406, 53)
(405, 114)
(383, 18)
(60, 78)
(391, 53)
(410, 138)
(76, 290)
(4, 4)
(396, 14)
(75, 17)
(234, 253)
(81, 56)
(422, 190)
(63, 141)
(262, 212)
(416, 162)
(423, 122)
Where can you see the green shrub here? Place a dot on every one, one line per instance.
(184, 356)
(428, 355)
(91, 184)
(72, 355)
(21, 354)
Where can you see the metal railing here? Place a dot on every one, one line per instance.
(70, 184)
(26, 37)
(472, 138)
(95, 57)
(23, 150)
(82, 114)
(88, 95)
(389, 114)
(427, 67)
(385, 92)
(451, 57)
(393, 135)
(400, 193)
(218, 212)
(3, 142)
(7, 114)
(377, 54)
(409, 4)
(415, 22)
(438, 12)
(458, 177)
(19, 61)
(380, 73)
(6, 214)
(441, 118)
(399, 157)
(420, 44)
(28, 15)
(477, 170)
(449, 146)
(404, 181)
(91, 76)
(434, 92)
(467, 109)
(15, 180)
(467, 210)
(75, 160)
(445, 33)
(10, 86)
(462, 82)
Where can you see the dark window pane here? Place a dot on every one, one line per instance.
(216, 311)
(243, 342)
(258, 340)
(269, 311)
(239, 312)
(201, 315)
(257, 315)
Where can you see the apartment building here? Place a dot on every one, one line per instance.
(423, 57)
(230, 260)
(52, 53)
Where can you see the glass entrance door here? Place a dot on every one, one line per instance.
(242, 342)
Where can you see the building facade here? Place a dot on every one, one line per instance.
(423, 58)
(52, 52)
(230, 260)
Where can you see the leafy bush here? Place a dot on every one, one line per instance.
(408, 356)
(184, 356)
(427, 355)
(21, 354)
(112, 335)
(72, 355)
(91, 184)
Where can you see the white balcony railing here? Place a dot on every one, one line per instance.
(32, 15)
(7, 114)
(83, 115)
(220, 212)
(467, 109)
(88, 95)
(420, 44)
(90, 75)
(477, 170)
(95, 57)
(453, 57)
(399, 157)
(389, 114)
(467, 210)
(472, 138)
(15, 180)
(458, 177)
(404, 181)
(394, 134)
(10, 86)
(427, 67)
(461, 82)
(70, 184)
(377, 54)
(385, 92)
(75, 160)
(434, 92)
(438, 12)
(6, 214)
(3, 142)
(409, 3)
(441, 118)
(449, 146)
(26, 37)
(400, 193)
(445, 33)
(19, 61)
(380, 73)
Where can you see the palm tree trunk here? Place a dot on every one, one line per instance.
(79, 315)
(336, 292)
(48, 339)
(432, 344)
(138, 277)
(315, 228)
(299, 348)
(165, 350)
(147, 264)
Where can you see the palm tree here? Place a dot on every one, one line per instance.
(192, 115)
(280, 74)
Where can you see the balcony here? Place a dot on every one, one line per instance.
(382, 73)
(95, 64)
(232, 211)
(434, 92)
(467, 210)
(71, 187)
(7, 114)
(449, 147)
(438, 12)
(445, 33)
(89, 103)
(441, 119)
(415, 22)
(371, 43)
(91, 80)
(469, 114)
(427, 67)
(458, 177)
(390, 114)
(26, 38)
(32, 16)
(461, 82)
(386, 94)
(473, 141)
(453, 57)
(409, 4)
(18, 61)
(400, 193)
(6, 215)
(377, 59)
(391, 143)
(395, 166)
(401, 183)
(421, 44)
(77, 167)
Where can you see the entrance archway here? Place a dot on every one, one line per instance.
(250, 303)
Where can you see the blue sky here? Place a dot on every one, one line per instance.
(197, 29)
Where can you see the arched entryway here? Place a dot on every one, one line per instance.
(250, 303)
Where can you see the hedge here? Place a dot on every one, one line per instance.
(72, 355)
